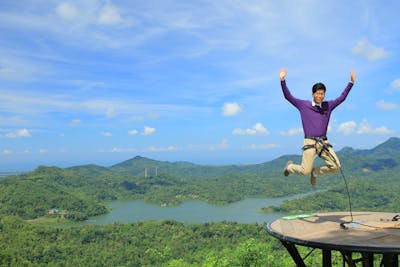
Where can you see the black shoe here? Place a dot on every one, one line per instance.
(285, 171)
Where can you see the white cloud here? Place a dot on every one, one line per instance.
(7, 152)
(396, 84)
(109, 14)
(347, 128)
(261, 146)
(42, 151)
(387, 106)
(257, 129)
(87, 13)
(292, 131)
(231, 109)
(365, 49)
(123, 150)
(75, 122)
(106, 134)
(137, 118)
(18, 133)
(224, 144)
(133, 132)
(67, 11)
(364, 127)
(148, 130)
(110, 113)
(160, 149)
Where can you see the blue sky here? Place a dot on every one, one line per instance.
(100, 82)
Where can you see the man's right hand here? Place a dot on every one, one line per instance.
(282, 74)
(352, 76)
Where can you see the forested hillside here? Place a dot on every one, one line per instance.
(31, 236)
(83, 191)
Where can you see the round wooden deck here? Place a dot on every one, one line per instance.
(370, 232)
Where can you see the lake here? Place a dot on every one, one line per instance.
(193, 211)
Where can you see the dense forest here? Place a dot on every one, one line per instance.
(31, 236)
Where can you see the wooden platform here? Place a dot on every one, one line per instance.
(370, 233)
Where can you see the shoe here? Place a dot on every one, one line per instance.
(285, 171)
(313, 178)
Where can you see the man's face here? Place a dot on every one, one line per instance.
(319, 96)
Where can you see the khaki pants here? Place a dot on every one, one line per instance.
(308, 160)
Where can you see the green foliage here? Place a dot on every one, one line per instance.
(81, 192)
(165, 243)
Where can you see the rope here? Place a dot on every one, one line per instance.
(324, 147)
(343, 224)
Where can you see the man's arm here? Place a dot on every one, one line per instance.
(345, 92)
(285, 90)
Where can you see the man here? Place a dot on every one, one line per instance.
(315, 117)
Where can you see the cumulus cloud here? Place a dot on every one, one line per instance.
(351, 127)
(396, 84)
(123, 150)
(261, 146)
(43, 151)
(7, 152)
(160, 149)
(224, 144)
(365, 49)
(348, 127)
(148, 130)
(109, 14)
(257, 129)
(292, 131)
(106, 134)
(387, 106)
(67, 11)
(366, 128)
(133, 132)
(19, 133)
(137, 118)
(110, 112)
(231, 109)
(75, 122)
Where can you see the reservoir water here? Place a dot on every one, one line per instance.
(193, 211)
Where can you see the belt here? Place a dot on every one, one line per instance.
(316, 137)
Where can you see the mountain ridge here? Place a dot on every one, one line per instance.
(386, 154)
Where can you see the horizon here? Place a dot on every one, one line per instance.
(98, 81)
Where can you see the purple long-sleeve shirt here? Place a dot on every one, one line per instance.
(315, 120)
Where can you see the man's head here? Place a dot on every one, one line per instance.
(318, 92)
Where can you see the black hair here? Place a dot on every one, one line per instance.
(318, 86)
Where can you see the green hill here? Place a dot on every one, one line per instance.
(84, 190)
(385, 155)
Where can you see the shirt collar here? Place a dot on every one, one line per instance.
(315, 104)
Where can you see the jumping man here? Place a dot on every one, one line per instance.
(315, 117)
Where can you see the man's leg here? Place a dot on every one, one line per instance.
(307, 161)
(331, 160)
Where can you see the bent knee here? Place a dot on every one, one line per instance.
(307, 171)
(333, 168)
